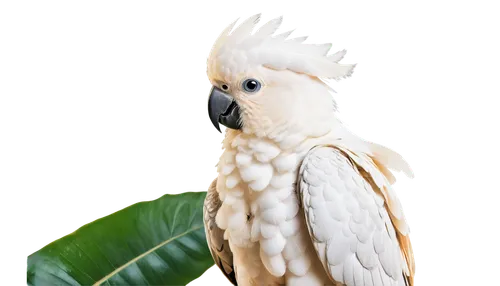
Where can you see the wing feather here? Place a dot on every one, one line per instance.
(375, 171)
(349, 220)
(219, 247)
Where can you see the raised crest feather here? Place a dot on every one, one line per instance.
(238, 48)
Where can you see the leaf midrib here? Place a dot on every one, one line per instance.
(102, 280)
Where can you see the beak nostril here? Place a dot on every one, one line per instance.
(225, 87)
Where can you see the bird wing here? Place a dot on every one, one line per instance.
(354, 219)
(219, 247)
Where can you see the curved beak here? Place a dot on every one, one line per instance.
(223, 109)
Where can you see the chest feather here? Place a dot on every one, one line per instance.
(256, 184)
(260, 212)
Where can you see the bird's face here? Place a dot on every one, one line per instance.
(264, 102)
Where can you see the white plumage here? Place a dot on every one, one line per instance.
(348, 220)
(299, 200)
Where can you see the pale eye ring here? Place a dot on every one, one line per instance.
(224, 87)
(251, 85)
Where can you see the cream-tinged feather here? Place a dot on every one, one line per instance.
(347, 218)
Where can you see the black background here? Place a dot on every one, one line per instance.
(116, 107)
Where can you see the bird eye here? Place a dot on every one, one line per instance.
(251, 85)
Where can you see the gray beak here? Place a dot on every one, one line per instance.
(223, 109)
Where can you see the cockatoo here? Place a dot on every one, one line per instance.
(299, 200)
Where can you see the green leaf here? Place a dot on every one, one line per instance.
(161, 242)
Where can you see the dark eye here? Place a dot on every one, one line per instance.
(251, 85)
(224, 87)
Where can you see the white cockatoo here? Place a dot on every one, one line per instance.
(299, 200)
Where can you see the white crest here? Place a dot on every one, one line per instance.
(237, 49)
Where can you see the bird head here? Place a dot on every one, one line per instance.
(271, 85)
